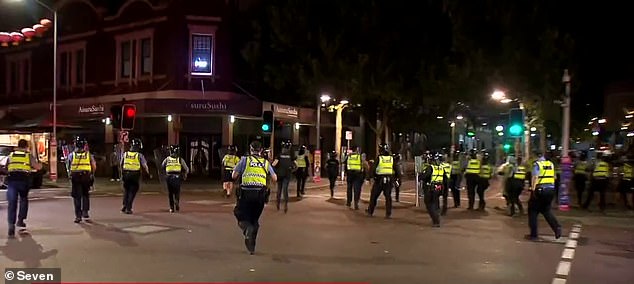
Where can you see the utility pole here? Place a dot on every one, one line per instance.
(566, 162)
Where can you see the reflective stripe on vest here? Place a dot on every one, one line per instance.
(19, 162)
(485, 171)
(437, 173)
(447, 167)
(455, 167)
(581, 167)
(254, 172)
(628, 172)
(601, 170)
(386, 166)
(81, 162)
(173, 165)
(301, 161)
(546, 173)
(354, 162)
(230, 162)
(473, 167)
(520, 173)
(131, 162)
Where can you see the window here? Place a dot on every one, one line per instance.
(126, 59)
(202, 54)
(135, 56)
(65, 69)
(79, 67)
(72, 65)
(146, 56)
(18, 73)
(15, 79)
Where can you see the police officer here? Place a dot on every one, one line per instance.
(301, 174)
(486, 172)
(332, 169)
(542, 194)
(284, 166)
(176, 171)
(581, 176)
(599, 181)
(383, 181)
(440, 159)
(253, 192)
(81, 165)
(625, 185)
(229, 161)
(397, 175)
(19, 166)
(457, 168)
(516, 178)
(434, 178)
(472, 175)
(355, 164)
(131, 165)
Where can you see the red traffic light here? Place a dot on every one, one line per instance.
(130, 112)
(129, 115)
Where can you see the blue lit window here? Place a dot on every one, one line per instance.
(202, 50)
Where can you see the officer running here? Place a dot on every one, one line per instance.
(19, 166)
(383, 181)
(457, 169)
(301, 174)
(397, 176)
(581, 176)
(472, 175)
(229, 162)
(599, 181)
(447, 167)
(542, 194)
(253, 192)
(176, 171)
(81, 165)
(283, 166)
(332, 169)
(434, 179)
(516, 178)
(355, 165)
(486, 172)
(131, 165)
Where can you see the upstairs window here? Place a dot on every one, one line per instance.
(72, 67)
(135, 55)
(202, 54)
(18, 73)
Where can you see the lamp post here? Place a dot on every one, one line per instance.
(322, 99)
(339, 125)
(500, 96)
(53, 139)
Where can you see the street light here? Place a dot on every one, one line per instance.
(322, 102)
(602, 121)
(498, 95)
(499, 128)
(439, 117)
(459, 117)
(53, 140)
(533, 129)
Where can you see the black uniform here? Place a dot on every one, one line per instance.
(332, 168)
(354, 181)
(382, 184)
(174, 178)
(283, 169)
(81, 181)
(131, 179)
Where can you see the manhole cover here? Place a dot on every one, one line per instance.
(147, 229)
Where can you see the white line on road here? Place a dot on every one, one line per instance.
(568, 253)
(563, 268)
(576, 230)
(559, 281)
(571, 244)
(574, 235)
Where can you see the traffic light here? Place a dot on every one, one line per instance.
(508, 146)
(267, 122)
(516, 122)
(128, 116)
(470, 133)
(115, 116)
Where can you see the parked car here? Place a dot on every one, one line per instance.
(37, 176)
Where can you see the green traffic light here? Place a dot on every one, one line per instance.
(515, 129)
(266, 127)
(470, 133)
(507, 147)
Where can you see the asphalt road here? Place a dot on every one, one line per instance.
(317, 240)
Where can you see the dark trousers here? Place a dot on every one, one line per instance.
(397, 188)
(354, 184)
(248, 210)
(483, 184)
(301, 175)
(130, 189)
(173, 191)
(17, 190)
(282, 189)
(515, 187)
(625, 187)
(454, 186)
(599, 185)
(432, 202)
(557, 185)
(580, 187)
(332, 178)
(445, 195)
(80, 192)
(472, 184)
(382, 184)
(540, 203)
(115, 173)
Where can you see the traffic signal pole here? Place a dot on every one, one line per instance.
(527, 137)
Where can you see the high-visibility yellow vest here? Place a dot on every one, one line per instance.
(230, 162)
(301, 161)
(628, 171)
(546, 173)
(455, 167)
(437, 173)
(581, 167)
(486, 171)
(386, 166)
(255, 172)
(353, 162)
(19, 161)
(447, 167)
(131, 162)
(173, 165)
(520, 173)
(81, 162)
(601, 170)
(473, 167)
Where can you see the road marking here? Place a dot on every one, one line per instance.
(568, 253)
(576, 230)
(559, 281)
(574, 235)
(563, 268)
(571, 244)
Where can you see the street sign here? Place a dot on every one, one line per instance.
(123, 136)
(348, 135)
(564, 183)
